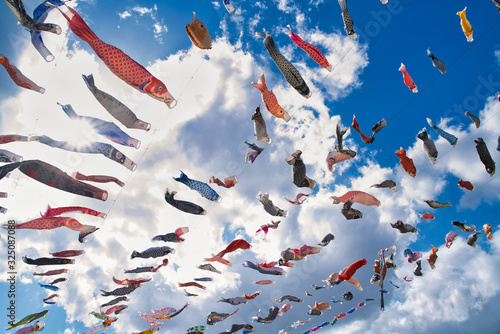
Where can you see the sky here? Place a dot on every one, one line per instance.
(204, 136)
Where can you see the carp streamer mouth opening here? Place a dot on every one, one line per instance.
(171, 104)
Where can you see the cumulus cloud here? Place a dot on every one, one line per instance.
(455, 294)
(189, 146)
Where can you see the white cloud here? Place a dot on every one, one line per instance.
(142, 10)
(286, 6)
(254, 21)
(159, 29)
(124, 15)
(216, 4)
(316, 2)
(259, 4)
(186, 143)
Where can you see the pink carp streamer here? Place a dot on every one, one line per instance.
(68, 253)
(50, 297)
(51, 272)
(297, 200)
(357, 197)
(229, 182)
(265, 228)
(55, 222)
(127, 281)
(264, 282)
(449, 238)
(488, 230)
(50, 223)
(114, 309)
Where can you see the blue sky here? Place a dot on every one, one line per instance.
(204, 136)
